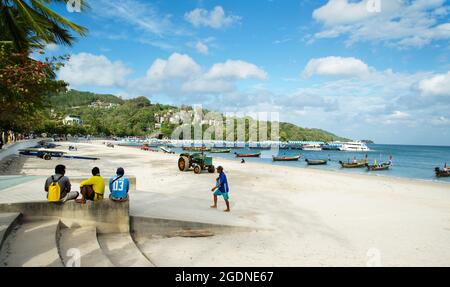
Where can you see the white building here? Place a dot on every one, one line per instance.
(71, 120)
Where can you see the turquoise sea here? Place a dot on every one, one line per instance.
(416, 162)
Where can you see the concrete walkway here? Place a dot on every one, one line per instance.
(15, 147)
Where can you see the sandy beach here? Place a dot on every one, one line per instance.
(296, 217)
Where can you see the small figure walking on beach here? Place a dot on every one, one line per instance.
(221, 189)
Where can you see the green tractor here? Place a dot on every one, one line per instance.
(199, 161)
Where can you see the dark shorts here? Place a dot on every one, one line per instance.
(88, 192)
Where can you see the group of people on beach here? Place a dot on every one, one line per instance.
(92, 188)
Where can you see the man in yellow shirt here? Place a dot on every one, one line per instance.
(92, 188)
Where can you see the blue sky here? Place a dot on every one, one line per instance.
(377, 69)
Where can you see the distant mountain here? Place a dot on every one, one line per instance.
(111, 115)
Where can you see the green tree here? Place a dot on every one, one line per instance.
(28, 24)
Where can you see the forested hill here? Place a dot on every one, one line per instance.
(112, 115)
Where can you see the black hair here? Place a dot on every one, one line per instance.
(60, 169)
(120, 171)
(95, 171)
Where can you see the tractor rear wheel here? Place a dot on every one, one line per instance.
(198, 169)
(183, 163)
(211, 169)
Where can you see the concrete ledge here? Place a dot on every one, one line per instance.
(108, 216)
(76, 180)
(148, 227)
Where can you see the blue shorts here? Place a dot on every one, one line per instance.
(224, 194)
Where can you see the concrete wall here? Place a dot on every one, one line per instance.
(106, 215)
(142, 227)
(76, 180)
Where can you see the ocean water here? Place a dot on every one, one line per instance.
(416, 162)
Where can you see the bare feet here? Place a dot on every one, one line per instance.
(226, 210)
(80, 201)
(213, 206)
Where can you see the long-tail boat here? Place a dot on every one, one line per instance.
(286, 158)
(377, 167)
(197, 149)
(358, 164)
(248, 154)
(441, 172)
(220, 151)
(316, 161)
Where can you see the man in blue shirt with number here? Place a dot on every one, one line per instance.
(119, 186)
(221, 189)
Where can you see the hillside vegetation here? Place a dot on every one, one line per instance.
(135, 117)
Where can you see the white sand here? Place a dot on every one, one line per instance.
(306, 217)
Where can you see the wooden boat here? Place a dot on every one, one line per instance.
(248, 154)
(316, 161)
(358, 164)
(441, 173)
(286, 158)
(383, 166)
(220, 151)
(197, 149)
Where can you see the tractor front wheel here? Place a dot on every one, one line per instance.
(183, 163)
(198, 169)
(211, 169)
(47, 157)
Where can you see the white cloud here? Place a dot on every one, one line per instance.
(236, 69)
(176, 66)
(215, 18)
(202, 48)
(336, 66)
(180, 75)
(88, 69)
(398, 23)
(438, 85)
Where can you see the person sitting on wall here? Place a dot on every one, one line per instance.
(61, 184)
(119, 185)
(92, 188)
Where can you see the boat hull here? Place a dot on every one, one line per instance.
(353, 165)
(441, 173)
(316, 162)
(294, 158)
(378, 168)
(248, 155)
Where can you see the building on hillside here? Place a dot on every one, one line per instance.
(102, 105)
(72, 120)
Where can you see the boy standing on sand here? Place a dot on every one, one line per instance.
(221, 189)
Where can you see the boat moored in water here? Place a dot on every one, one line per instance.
(357, 164)
(378, 167)
(286, 158)
(354, 146)
(442, 172)
(312, 147)
(248, 154)
(220, 151)
(316, 161)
